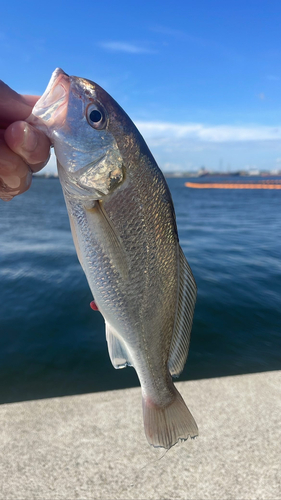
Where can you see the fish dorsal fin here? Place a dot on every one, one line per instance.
(184, 316)
(117, 350)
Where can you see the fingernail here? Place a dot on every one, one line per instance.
(30, 139)
(14, 184)
(5, 197)
(6, 193)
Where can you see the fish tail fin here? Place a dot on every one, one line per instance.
(165, 426)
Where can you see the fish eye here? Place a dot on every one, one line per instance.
(96, 116)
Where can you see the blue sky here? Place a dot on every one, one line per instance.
(200, 79)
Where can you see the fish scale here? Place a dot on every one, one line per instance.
(124, 229)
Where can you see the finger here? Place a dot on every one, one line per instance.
(31, 100)
(15, 174)
(29, 143)
(14, 106)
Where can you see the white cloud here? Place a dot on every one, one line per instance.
(51, 166)
(217, 147)
(129, 48)
(190, 146)
(208, 133)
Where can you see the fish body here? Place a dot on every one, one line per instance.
(124, 229)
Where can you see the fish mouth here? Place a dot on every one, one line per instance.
(51, 108)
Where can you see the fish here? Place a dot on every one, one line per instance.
(124, 229)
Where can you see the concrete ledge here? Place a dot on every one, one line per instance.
(93, 446)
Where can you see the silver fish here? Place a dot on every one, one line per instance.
(124, 229)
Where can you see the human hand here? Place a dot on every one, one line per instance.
(23, 149)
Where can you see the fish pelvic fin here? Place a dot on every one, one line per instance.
(184, 317)
(165, 426)
(118, 353)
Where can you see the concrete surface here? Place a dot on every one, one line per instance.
(93, 446)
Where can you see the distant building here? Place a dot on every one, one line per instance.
(254, 172)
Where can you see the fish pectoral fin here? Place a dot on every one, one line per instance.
(112, 241)
(75, 241)
(117, 350)
(184, 317)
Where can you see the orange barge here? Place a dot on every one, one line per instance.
(236, 185)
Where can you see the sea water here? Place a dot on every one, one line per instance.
(53, 344)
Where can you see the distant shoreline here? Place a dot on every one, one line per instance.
(183, 175)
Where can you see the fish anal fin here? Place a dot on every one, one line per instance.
(184, 317)
(117, 350)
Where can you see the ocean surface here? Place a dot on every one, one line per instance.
(53, 344)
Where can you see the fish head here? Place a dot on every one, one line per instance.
(73, 113)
